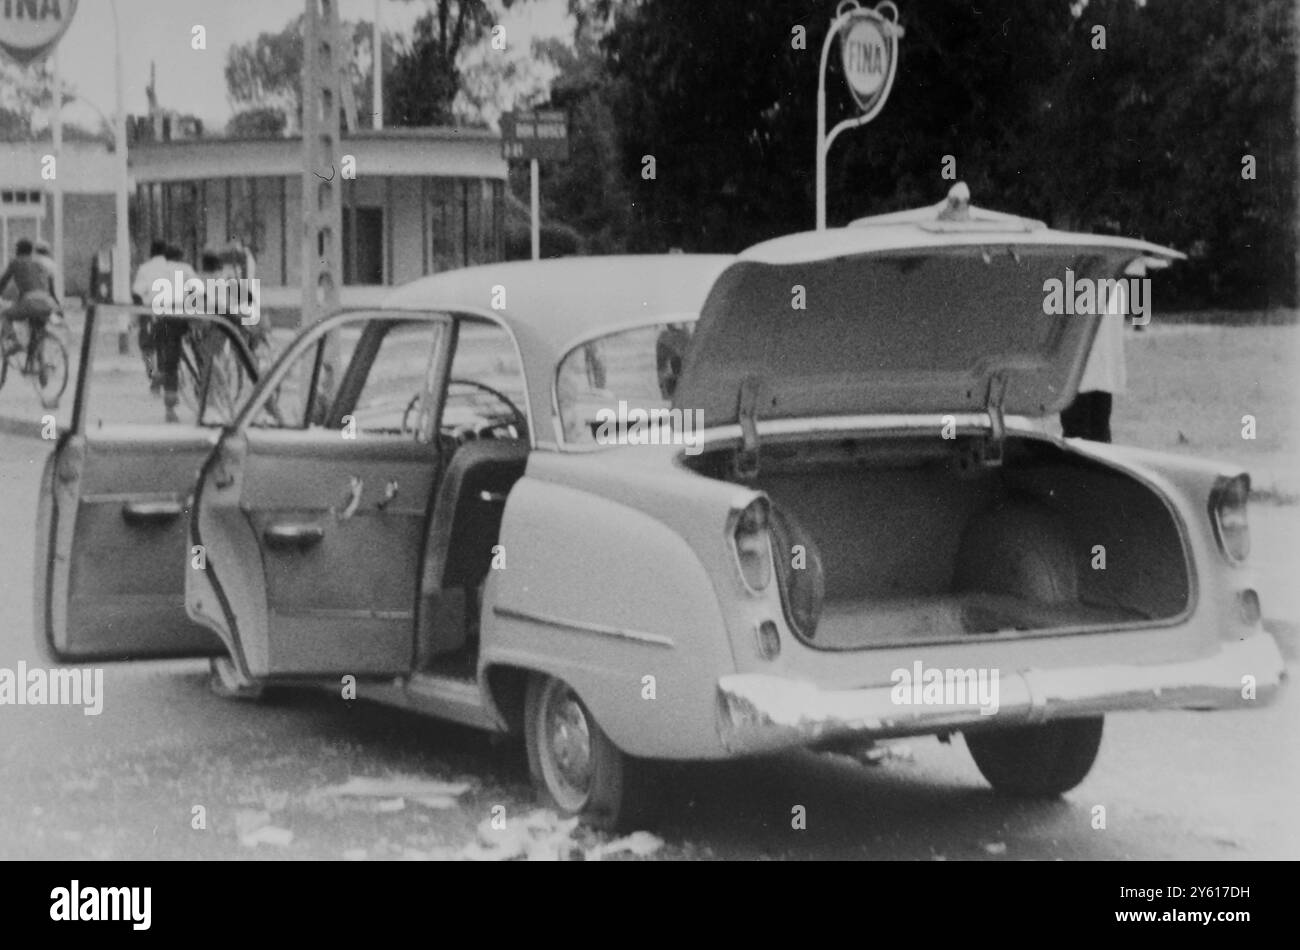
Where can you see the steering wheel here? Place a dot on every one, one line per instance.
(516, 420)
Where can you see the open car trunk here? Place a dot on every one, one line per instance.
(918, 542)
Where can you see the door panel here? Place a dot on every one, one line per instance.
(113, 548)
(343, 598)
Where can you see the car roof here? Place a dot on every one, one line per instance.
(551, 304)
(557, 301)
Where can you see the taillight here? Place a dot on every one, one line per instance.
(1228, 514)
(799, 573)
(753, 545)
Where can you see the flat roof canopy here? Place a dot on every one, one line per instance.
(442, 152)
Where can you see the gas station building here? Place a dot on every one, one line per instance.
(423, 200)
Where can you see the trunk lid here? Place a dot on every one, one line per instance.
(913, 313)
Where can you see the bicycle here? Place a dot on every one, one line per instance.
(49, 374)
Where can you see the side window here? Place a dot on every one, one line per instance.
(636, 369)
(373, 377)
(153, 370)
(395, 395)
(486, 388)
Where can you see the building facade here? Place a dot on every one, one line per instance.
(85, 170)
(415, 202)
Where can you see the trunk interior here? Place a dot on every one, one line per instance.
(918, 542)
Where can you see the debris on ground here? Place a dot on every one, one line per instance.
(391, 794)
(254, 828)
(639, 844)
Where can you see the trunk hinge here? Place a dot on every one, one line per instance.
(990, 453)
(747, 415)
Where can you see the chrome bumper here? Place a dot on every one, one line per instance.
(761, 713)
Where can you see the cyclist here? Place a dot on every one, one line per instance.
(36, 301)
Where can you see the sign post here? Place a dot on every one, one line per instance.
(534, 136)
(869, 54)
(29, 32)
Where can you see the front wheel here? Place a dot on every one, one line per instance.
(51, 371)
(1040, 761)
(575, 767)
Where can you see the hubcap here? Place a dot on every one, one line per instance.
(566, 746)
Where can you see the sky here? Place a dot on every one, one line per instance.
(192, 81)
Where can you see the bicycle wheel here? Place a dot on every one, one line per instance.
(51, 376)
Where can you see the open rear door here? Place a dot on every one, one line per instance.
(312, 512)
(112, 547)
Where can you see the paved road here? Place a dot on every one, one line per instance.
(126, 784)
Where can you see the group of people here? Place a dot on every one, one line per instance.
(31, 272)
(160, 336)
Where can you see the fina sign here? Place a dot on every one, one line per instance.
(867, 51)
(29, 29)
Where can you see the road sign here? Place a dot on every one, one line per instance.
(867, 53)
(543, 134)
(29, 29)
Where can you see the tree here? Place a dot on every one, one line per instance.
(426, 71)
(1143, 133)
(261, 123)
(266, 74)
(588, 192)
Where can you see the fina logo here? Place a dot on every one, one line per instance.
(29, 29)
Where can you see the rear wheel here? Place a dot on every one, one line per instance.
(575, 767)
(1037, 761)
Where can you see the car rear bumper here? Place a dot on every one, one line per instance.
(759, 712)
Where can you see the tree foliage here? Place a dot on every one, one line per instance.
(1144, 137)
(266, 74)
(426, 73)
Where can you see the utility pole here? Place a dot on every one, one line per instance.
(322, 186)
(377, 86)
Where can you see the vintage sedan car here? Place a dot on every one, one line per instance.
(682, 507)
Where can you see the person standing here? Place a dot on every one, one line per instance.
(169, 333)
(155, 268)
(1104, 376)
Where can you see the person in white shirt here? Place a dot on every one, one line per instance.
(1104, 376)
(169, 332)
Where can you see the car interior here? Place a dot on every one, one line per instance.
(483, 445)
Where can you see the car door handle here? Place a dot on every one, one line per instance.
(293, 534)
(493, 497)
(151, 512)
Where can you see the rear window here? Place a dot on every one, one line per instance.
(637, 368)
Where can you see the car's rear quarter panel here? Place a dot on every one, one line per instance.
(593, 551)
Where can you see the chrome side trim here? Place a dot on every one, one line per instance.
(326, 613)
(620, 633)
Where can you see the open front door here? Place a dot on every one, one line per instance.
(311, 514)
(112, 548)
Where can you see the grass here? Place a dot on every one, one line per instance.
(1190, 385)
